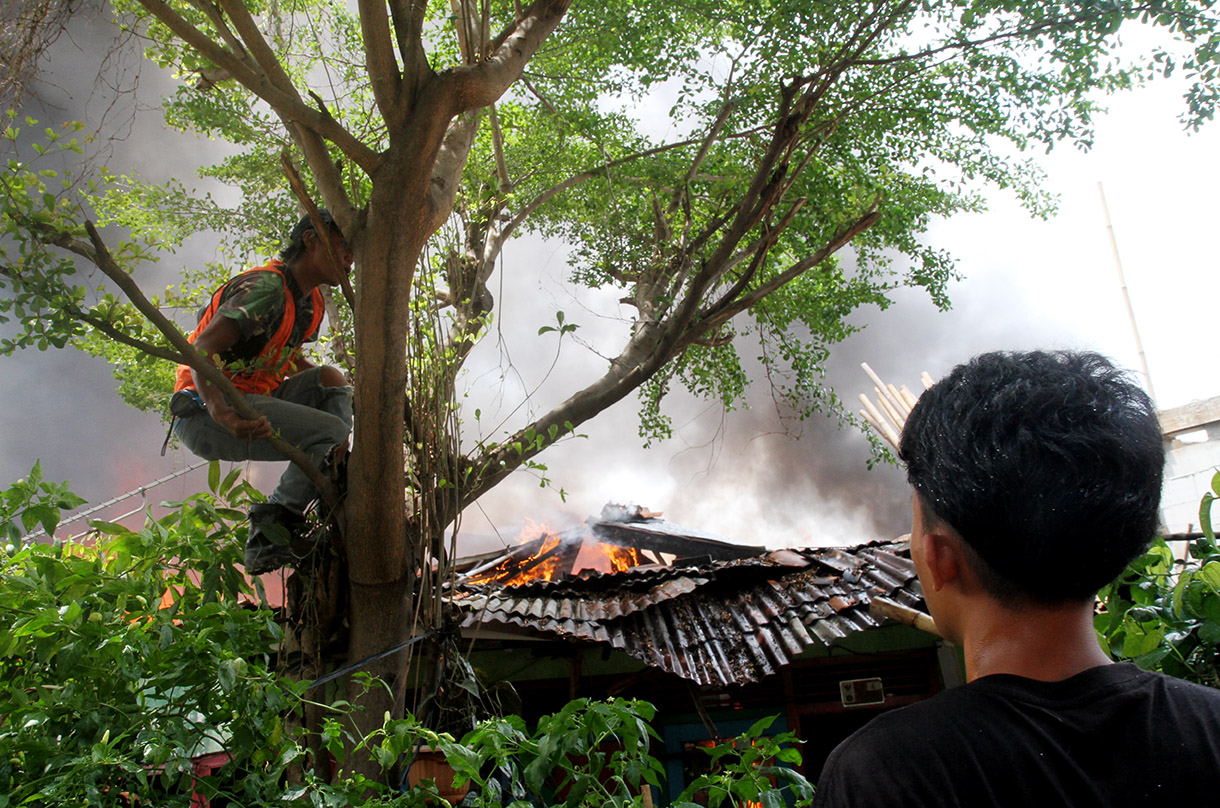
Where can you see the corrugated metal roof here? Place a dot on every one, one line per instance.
(714, 623)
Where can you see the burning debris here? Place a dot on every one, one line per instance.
(691, 604)
(624, 537)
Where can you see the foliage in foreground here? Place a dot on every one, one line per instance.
(1163, 613)
(126, 658)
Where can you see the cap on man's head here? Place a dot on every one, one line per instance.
(305, 223)
(296, 240)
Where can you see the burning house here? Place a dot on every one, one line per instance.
(716, 634)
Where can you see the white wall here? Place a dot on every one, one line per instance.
(1189, 470)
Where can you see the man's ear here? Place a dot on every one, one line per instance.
(943, 557)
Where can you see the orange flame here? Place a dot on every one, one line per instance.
(553, 557)
(595, 555)
(541, 565)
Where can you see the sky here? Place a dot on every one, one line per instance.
(750, 475)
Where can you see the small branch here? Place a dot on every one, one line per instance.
(709, 140)
(574, 180)
(497, 144)
(338, 341)
(546, 102)
(319, 227)
(105, 327)
(726, 308)
(119, 336)
(288, 104)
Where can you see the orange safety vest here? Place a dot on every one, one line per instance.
(272, 362)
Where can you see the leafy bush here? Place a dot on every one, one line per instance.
(1163, 613)
(124, 659)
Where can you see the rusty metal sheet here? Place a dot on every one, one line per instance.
(788, 558)
(720, 622)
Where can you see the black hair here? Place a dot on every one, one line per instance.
(1048, 465)
(296, 239)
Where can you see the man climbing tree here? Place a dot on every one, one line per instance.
(254, 327)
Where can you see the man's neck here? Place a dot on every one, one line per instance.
(301, 282)
(1037, 642)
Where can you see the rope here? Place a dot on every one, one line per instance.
(346, 669)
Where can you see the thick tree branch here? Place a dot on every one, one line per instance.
(475, 86)
(217, 19)
(379, 59)
(97, 253)
(257, 46)
(326, 173)
(649, 348)
(408, 19)
(450, 161)
(287, 104)
(464, 30)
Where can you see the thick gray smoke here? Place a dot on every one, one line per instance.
(60, 406)
(753, 475)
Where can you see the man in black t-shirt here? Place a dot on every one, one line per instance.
(1037, 478)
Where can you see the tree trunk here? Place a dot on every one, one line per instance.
(378, 568)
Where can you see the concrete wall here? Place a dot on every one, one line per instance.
(1191, 461)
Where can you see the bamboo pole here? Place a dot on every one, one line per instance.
(889, 412)
(1122, 281)
(892, 610)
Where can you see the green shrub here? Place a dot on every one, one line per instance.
(1163, 613)
(126, 657)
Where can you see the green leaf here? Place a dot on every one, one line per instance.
(214, 476)
(107, 528)
(1209, 573)
(227, 675)
(1209, 632)
(1205, 512)
(1150, 660)
(772, 798)
(1179, 591)
(1141, 640)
